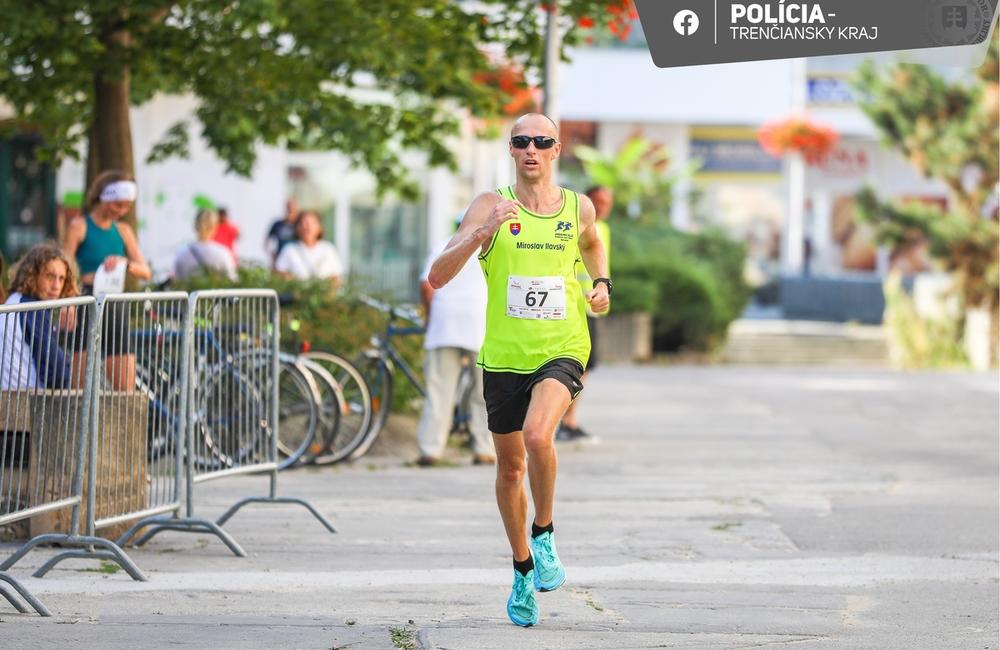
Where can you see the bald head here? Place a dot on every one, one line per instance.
(536, 124)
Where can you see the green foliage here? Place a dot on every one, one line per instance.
(369, 79)
(312, 313)
(920, 343)
(637, 174)
(949, 131)
(633, 294)
(691, 282)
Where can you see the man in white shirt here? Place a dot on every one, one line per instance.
(456, 325)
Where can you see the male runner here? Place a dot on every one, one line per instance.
(529, 238)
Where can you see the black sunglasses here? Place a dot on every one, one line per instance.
(541, 141)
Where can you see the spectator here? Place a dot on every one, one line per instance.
(32, 356)
(310, 258)
(603, 199)
(456, 324)
(100, 239)
(226, 233)
(282, 231)
(204, 256)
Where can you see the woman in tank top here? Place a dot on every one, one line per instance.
(100, 238)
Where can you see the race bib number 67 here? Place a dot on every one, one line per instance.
(536, 298)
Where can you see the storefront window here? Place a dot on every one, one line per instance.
(388, 246)
(27, 206)
(382, 239)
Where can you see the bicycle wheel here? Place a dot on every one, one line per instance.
(298, 411)
(460, 432)
(229, 419)
(161, 424)
(378, 372)
(331, 405)
(356, 407)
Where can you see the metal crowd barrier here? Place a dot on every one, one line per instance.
(46, 392)
(138, 411)
(232, 405)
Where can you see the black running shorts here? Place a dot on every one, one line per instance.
(508, 394)
(116, 339)
(592, 328)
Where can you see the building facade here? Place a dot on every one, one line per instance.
(791, 223)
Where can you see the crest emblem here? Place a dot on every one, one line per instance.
(515, 228)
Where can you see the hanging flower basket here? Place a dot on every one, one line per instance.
(811, 140)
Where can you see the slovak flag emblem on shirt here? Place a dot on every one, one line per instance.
(515, 228)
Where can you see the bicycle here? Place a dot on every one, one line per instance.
(230, 436)
(346, 405)
(378, 365)
(355, 404)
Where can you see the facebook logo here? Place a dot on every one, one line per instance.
(686, 22)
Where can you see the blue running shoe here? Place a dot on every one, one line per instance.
(521, 606)
(549, 570)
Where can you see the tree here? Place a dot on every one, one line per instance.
(369, 79)
(638, 174)
(949, 131)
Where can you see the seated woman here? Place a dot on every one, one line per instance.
(32, 356)
(205, 256)
(310, 257)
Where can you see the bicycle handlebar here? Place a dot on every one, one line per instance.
(405, 312)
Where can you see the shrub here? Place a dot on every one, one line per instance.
(692, 283)
(916, 342)
(311, 312)
(634, 294)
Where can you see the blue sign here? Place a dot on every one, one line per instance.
(830, 90)
(733, 156)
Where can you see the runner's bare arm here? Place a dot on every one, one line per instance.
(76, 230)
(483, 218)
(594, 257)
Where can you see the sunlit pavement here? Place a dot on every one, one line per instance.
(722, 508)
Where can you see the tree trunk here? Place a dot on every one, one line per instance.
(93, 156)
(110, 140)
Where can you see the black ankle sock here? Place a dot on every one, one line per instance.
(537, 530)
(525, 566)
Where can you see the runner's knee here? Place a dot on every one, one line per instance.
(511, 470)
(537, 439)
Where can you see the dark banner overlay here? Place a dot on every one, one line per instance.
(697, 32)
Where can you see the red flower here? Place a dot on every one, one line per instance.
(622, 14)
(811, 140)
(518, 96)
(586, 22)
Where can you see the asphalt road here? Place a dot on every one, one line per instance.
(723, 508)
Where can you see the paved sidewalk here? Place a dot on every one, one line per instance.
(724, 508)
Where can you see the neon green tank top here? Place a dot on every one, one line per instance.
(535, 311)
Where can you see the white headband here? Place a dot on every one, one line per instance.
(119, 191)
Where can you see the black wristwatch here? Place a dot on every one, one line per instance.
(606, 281)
